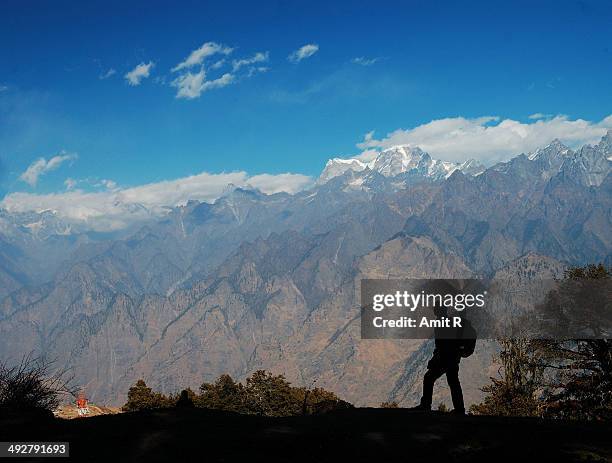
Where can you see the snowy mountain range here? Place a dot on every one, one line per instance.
(399, 160)
(590, 163)
(390, 170)
(254, 280)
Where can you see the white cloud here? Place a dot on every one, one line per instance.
(290, 183)
(191, 85)
(256, 70)
(222, 81)
(197, 56)
(367, 155)
(140, 72)
(536, 116)
(117, 208)
(41, 166)
(3, 88)
(303, 52)
(218, 64)
(71, 183)
(363, 61)
(107, 74)
(259, 57)
(490, 139)
(368, 137)
(109, 184)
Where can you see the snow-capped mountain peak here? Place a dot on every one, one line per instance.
(554, 150)
(606, 144)
(591, 164)
(398, 160)
(338, 166)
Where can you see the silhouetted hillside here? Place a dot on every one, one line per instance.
(371, 435)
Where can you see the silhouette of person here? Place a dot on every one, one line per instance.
(445, 361)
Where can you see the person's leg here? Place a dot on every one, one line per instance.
(452, 377)
(433, 373)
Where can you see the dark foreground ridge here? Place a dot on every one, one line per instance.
(371, 435)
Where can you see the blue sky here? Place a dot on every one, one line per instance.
(417, 62)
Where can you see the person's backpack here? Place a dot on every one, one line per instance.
(468, 340)
(467, 347)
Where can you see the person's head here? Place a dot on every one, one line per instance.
(441, 289)
(440, 311)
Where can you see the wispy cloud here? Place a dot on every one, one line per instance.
(256, 70)
(218, 64)
(71, 183)
(42, 166)
(303, 52)
(288, 183)
(190, 85)
(197, 56)
(363, 61)
(111, 72)
(259, 57)
(536, 116)
(222, 81)
(140, 72)
(343, 84)
(3, 88)
(116, 208)
(109, 184)
(490, 139)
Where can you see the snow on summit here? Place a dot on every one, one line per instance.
(398, 160)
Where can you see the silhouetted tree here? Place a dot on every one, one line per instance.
(567, 378)
(578, 372)
(224, 394)
(515, 391)
(270, 395)
(142, 397)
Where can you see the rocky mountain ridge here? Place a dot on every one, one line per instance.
(272, 281)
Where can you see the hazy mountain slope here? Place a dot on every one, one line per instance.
(272, 281)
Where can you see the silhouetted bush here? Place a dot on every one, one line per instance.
(443, 408)
(318, 400)
(32, 385)
(389, 405)
(263, 394)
